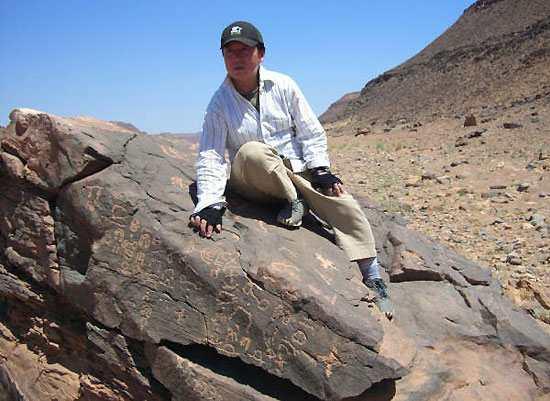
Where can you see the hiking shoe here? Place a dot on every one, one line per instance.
(382, 296)
(291, 215)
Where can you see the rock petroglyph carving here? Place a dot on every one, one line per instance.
(163, 296)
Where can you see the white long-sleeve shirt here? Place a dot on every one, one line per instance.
(285, 121)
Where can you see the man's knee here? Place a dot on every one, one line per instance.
(257, 155)
(252, 149)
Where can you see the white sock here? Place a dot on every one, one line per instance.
(370, 269)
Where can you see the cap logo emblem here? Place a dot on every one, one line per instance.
(236, 30)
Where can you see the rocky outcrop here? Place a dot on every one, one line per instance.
(496, 55)
(106, 294)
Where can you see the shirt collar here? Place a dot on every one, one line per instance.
(266, 78)
(265, 75)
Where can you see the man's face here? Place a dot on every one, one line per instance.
(242, 61)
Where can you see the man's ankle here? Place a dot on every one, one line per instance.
(369, 267)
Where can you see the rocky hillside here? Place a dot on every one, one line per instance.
(497, 54)
(483, 190)
(337, 109)
(128, 126)
(107, 294)
(457, 140)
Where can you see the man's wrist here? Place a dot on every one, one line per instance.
(211, 214)
(319, 169)
(322, 177)
(217, 205)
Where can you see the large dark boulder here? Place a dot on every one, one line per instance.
(106, 294)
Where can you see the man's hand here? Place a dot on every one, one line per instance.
(326, 182)
(208, 220)
(336, 190)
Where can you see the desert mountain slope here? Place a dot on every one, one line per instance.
(338, 108)
(497, 53)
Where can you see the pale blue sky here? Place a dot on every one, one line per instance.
(156, 64)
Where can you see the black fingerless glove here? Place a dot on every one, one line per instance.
(322, 178)
(212, 215)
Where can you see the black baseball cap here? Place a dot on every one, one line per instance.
(242, 31)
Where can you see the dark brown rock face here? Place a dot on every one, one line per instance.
(496, 55)
(106, 294)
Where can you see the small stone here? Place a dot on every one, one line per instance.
(513, 259)
(476, 134)
(544, 194)
(470, 121)
(490, 194)
(541, 314)
(512, 125)
(526, 226)
(464, 191)
(458, 163)
(444, 179)
(517, 276)
(362, 131)
(523, 187)
(497, 221)
(537, 220)
(460, 141)
(498, 186)
(429, 176)
(413, 181)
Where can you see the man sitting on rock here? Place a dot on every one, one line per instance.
(278, 151)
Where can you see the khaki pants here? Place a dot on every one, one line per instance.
(259, 174)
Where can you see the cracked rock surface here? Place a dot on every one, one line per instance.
(106, 294)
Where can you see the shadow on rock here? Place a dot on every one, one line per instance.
(382, 391)
(266, 212)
